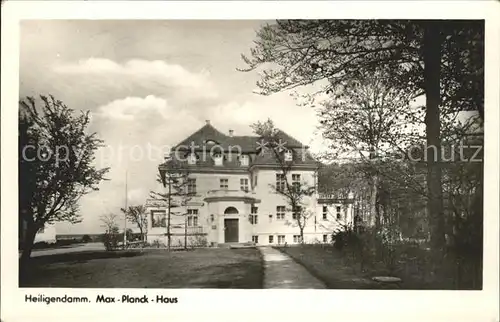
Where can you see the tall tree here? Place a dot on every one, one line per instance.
(296, 193)
(111, 235)
(184, 198)
(431, 58)
(56, 165)
(137, 215)
(109, 222)
(366, 120)
(174, 177)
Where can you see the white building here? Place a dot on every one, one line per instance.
(233, 197)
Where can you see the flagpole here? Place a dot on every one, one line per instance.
(126, 201)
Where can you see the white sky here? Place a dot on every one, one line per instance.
(150, 83)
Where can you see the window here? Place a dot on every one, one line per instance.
(255, 239)
(253, 219)
(281, 239)
(191, 186)
(244, 160)
(339, 215)
(212, 218)
(280, 212)
(296, 212)
(338, 208)
(296, 182)
(271, 239)
(325, 238)
(270, 218)
(217, 159)
(244, 184)
(280, 182)
(224, 184)
(255, 180)
(296, 238)
(288, 155)
(325, 212)
(158, 218)
(191, 158)
(192, 219)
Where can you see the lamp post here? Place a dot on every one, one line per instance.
(125, 213)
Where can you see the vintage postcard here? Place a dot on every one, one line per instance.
(271, 160)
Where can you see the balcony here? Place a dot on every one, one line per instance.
(230, 195)
(333, 198)
(178, 230)
(154, 203)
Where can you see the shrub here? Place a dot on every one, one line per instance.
(41, 245)
(86, 239)
(200, 241)
(157, 244)
(137, 244)
(67, 242)
(111, 239)
(346, 238)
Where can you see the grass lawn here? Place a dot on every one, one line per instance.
(199, 268)
(338, 272)
(325, 264)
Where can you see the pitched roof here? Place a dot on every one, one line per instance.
(291, 142)
(207, 132)
(300, 157)
(232, 146)
(247, 143)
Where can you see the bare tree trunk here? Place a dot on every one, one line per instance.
(142, 233)
(29, 239)
(432, 62)
(169, 211)
(185, 233)
(374, 220)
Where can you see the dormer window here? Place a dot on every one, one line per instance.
(244, 160)
(210, 142)
(288, 155)
(218, 158)
(192, 158)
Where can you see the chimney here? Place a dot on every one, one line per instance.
(207, 121)
(231, 132)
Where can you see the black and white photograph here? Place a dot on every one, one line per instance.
(321, 154)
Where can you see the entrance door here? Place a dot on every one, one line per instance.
(231, 230)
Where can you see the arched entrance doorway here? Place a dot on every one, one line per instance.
(231, 226)
(230, 211)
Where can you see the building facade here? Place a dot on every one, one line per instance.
(232, 184)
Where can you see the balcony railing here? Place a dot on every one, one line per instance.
(329, 197)
(226, 192)
(194, 230)
(229, 194)
(179, 229)
(156, 203)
